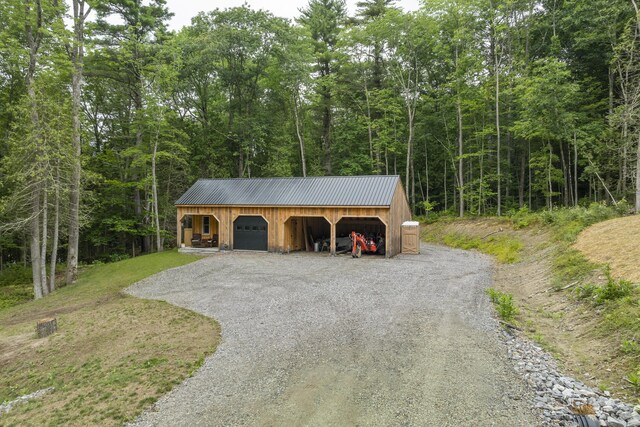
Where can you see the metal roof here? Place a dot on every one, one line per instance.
(373, 190)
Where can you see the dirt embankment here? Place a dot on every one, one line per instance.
(615, 242)
(568, 328)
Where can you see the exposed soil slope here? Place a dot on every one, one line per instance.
(568, 328)
(615, 242)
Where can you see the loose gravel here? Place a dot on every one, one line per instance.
(309, 339)
(556, 393)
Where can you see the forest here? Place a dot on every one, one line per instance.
(483, 107)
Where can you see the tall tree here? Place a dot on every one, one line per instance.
(324, 20)
(76, 54)
(126, 54)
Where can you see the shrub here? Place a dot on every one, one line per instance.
(15, 274)
(522, 218)
(503, 303)
(586, 291)
(570, 265)
(630, 347)
(610, 291)
(613, 290)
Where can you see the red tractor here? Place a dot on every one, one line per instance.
(361, 244)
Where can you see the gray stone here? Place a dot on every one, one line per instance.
(634, 422)
(615, 422)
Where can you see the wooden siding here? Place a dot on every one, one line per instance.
(279, 233)
(399, 212)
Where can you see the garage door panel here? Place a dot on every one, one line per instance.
(250, 233)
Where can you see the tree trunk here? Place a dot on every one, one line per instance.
(326, 139)
(369, 129)
(33, 40)
(446, 206)
(549, 182)
(575, 169)
(565, 180)
(498, 141)
(638, 176)
(326, 120)
(154, 190)
(635, 7)
(529, 172)
(460, 162)
(35, 243)
(300, 135)
(426, 173)
(43, 247)
(521, 181)
(139, 113)
(410, 112)
(56, 233)
(77, 59)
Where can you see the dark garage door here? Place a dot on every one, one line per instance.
(250, 232)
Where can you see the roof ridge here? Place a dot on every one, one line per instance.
(298, 177)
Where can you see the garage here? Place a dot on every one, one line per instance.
(251, 233)
(289, 214)
(371, 228)
(310, 234)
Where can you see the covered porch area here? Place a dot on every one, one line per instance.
(198, 231)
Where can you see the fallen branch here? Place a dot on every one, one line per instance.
(570, 285)
(509, 325)
(493, 232)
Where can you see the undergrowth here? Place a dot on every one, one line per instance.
(567, 223)
(612, 290)
(570, 266)
(503, 304)
(16, 285)
(504, 247)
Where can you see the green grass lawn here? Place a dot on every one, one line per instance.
(113, 354)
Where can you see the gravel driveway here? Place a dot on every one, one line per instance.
(314, 340)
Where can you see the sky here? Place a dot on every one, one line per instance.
(184, 10)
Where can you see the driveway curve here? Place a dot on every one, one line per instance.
(316, 340)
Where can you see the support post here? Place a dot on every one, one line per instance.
(179, 228)
(332, 241)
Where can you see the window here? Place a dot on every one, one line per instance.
(187, 221)
(206, 227)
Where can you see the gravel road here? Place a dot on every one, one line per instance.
(315, 340)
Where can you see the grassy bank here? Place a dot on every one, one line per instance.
(113, 354)
(566, 299)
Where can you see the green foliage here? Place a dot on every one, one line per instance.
(630, 347)
(505, 248)
(570, 265)
(522, 218)
(240, 92)
(634, 380)
(503, 304)
(568, 222)
(15, 274)
(612, 290)
(15, 285)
